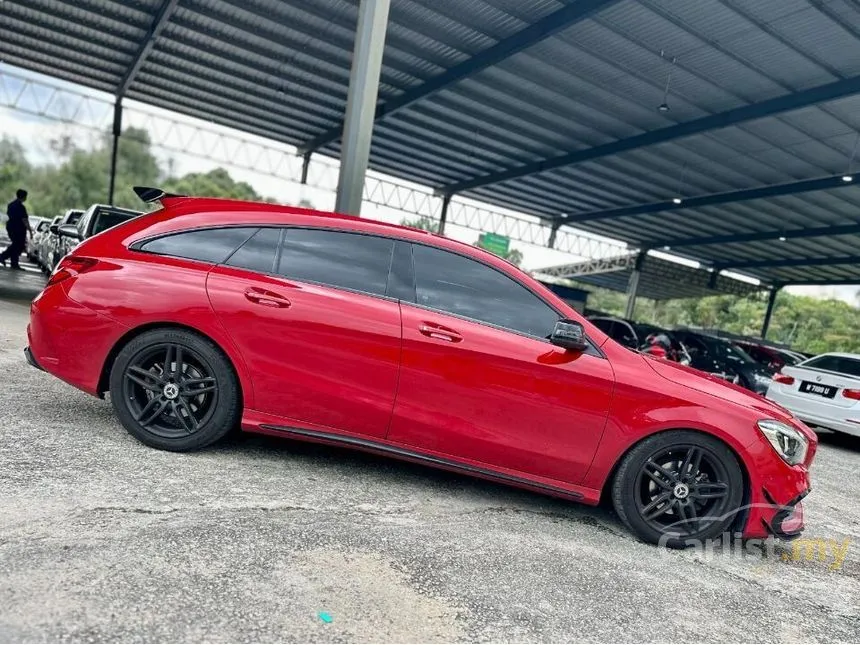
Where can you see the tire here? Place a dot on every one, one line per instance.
(175, 390)
(678, 488)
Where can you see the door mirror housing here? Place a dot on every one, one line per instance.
(570, 335)
(69, 230)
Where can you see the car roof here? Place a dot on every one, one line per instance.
(838, 355)
(262, 213)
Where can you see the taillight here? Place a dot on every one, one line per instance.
(69, 267)
(851, 394)
(785, 379)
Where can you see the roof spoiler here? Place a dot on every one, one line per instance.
(149, 195)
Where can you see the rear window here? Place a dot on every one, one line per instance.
(106, 220)
(830, 363)
(213, 245)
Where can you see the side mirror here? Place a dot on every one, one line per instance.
(569, 334)
(69, 230)
(54, 229)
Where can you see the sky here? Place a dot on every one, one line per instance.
(184, 149)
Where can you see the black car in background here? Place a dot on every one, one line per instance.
(94, 220)
(635, 335)
(721, 358)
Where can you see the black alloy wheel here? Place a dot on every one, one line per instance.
(169, 390)
(678, 487)
(174, 390)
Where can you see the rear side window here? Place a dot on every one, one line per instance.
(346, 260)
(258, 253)
(74, 218)
(207, 245)
(465, 287)
(840, 364)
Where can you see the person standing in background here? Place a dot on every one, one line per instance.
(17, 227)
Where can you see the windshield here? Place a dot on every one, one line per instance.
(735, 353)
(107, 220)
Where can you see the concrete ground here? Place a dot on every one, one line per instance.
(104, 539)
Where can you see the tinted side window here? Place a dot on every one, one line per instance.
(347, 260)
(258, 253)
(208, 245)
(465, 287)
(604, 325)
(835, 364)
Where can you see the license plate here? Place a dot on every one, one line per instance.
(816, 388)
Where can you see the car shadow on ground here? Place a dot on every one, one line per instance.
(510, 499)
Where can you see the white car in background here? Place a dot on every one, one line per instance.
(822, 391)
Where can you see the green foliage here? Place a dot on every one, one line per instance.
(805, 323)
(215, 183)
(424, 223)
(80, 177)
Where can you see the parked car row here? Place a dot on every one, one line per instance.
(52, 240)
(738, 359)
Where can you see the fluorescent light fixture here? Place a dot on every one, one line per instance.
(676, 200)
(847, 178)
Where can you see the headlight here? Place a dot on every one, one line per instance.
(789, 443)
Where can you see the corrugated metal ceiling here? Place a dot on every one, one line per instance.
(280, 68)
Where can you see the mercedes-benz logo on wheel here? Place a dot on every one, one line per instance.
(171, 391)
(681, 491)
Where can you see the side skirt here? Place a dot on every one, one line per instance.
(410, 455)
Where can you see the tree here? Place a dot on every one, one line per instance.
(424, 223)
(215, 183)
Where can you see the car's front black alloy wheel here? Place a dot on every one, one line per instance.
(678, 487)
(682, 489)
(174, 390)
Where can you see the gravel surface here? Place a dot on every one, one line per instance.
(271, 540)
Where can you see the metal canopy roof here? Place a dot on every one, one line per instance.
(659, 279)
(546, 106)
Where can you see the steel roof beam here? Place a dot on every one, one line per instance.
(771, 107)
(714, 199)
(159, 22)
(761, 236)
(547, 26)
(789, 262)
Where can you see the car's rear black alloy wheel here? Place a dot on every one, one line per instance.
(170, 390)
(682, 490)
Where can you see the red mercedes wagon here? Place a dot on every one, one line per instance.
(207, 314)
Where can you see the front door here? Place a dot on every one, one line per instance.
(479, 380)
(321, 340)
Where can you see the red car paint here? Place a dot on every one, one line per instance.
(388, 376)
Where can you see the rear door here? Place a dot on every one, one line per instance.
(309, 312)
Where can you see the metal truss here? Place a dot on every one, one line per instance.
(591, 267)
(192, 137)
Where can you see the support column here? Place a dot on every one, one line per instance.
(306, 162)
(361, 104)
(771, 301)
(633, 285)
(117, 132)
(553, 233)
(443, 218)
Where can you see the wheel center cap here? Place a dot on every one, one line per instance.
(681, 491)
(171, 391)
